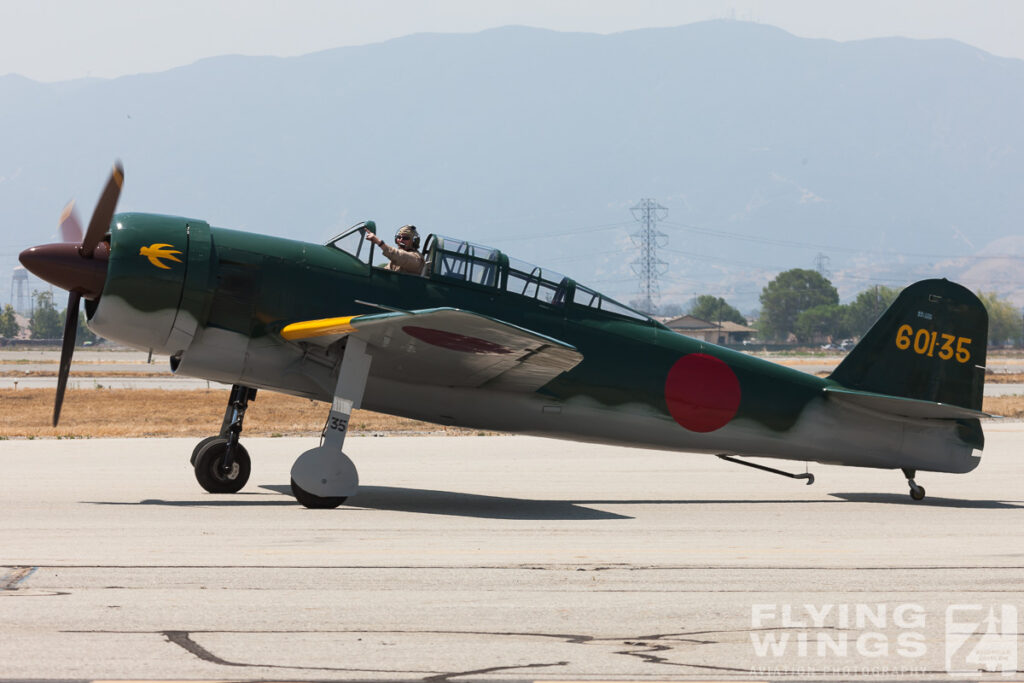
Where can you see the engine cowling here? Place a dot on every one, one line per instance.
(155, 294)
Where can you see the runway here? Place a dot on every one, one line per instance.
(128, 369)
(501, 558)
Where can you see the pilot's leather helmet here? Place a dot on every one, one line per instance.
(409, 231)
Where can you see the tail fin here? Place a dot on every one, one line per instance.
(929, 345)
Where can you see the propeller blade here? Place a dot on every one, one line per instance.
(70, 226)
(104, 211)
(67, 349)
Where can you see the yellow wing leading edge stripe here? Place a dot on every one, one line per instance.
(318, 328)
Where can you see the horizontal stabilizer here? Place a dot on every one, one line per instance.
(447, 347)
(904, 407)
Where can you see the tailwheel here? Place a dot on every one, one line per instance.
(210, 472)
(916, 491)
(316, 502)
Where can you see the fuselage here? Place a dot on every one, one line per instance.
(218, 307)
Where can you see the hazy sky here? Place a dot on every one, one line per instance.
(51, 40)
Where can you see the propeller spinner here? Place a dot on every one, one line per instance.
(80, 268)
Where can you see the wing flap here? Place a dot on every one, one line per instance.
(447, 347)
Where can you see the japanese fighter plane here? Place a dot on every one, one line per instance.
(483, 340)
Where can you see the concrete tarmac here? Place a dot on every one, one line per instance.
(129, 370)
(505, 558)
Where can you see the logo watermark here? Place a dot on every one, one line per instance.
(981, 638)
(882, 639)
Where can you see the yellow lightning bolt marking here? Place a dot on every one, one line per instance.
(155, 252)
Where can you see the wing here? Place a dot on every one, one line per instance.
(446, 347)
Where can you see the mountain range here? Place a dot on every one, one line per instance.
(879, 161)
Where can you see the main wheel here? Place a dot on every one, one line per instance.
(199, 447)
(209, 473)
(315, 502)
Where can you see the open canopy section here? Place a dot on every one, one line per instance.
(453, 259)
(456, 260)
(353, 241)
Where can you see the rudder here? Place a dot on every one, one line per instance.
(929, 345)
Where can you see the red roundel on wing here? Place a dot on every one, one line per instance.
(453, 341)
(702, 392)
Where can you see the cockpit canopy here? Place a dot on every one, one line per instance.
(457, 260)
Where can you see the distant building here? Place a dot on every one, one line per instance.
(726, 332)
(19, 290)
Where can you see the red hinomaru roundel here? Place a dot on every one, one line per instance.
(702, 392)
(453, 341)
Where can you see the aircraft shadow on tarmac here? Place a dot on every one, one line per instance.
(422, 501)
(457, 504)
(930, 501)
(430, 502)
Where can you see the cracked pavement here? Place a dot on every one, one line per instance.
(491, 558)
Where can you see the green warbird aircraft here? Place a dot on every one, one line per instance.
(483, 340)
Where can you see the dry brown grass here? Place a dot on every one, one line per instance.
(90, 413)
(168, 412)
(1004, 378)
(79, 374)
(1004, 406)
(990, 378)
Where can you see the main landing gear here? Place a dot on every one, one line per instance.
(916, 492)
(221, 463)
(323, 477)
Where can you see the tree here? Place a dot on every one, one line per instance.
(863, 311)
(640, 305)
(714, 309)
(821, 322)
(1004, 320)
(670, 309)
(9, 327)
(790, 294)
(83, 333)
(46, 322)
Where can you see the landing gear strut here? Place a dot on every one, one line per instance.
(221, 463)
(323, 477)
(916, 492)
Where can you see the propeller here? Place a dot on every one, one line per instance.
(79, 265)
(70, 226)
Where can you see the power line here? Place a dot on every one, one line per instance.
(821, 264)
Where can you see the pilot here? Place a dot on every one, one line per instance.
(405, 258)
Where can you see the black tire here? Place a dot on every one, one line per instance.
(208, 472)
(199, 447)
(917, 493)
(315, 502)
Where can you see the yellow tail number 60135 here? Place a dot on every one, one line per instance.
(924, 343)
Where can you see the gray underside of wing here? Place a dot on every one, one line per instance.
(456, 348)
